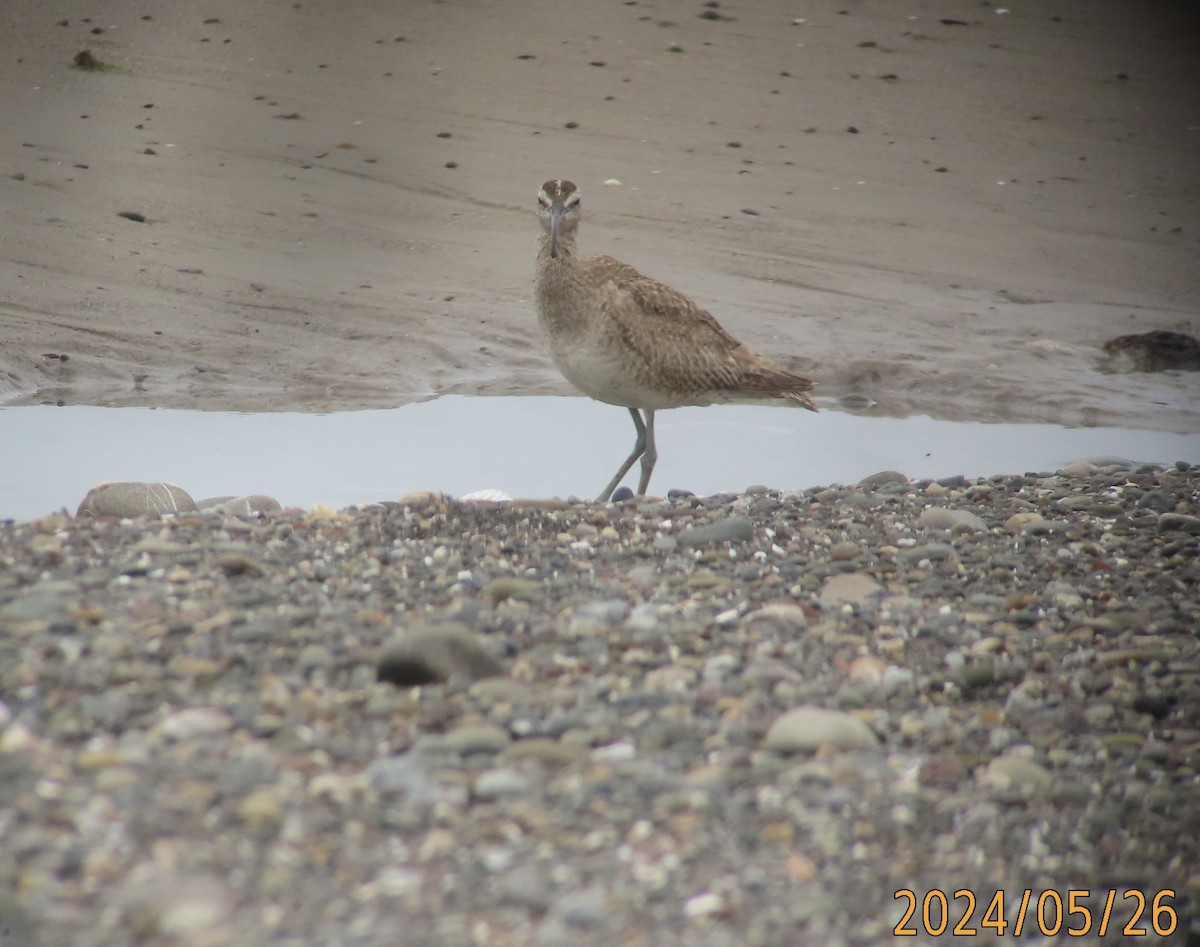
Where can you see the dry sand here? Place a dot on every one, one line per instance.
(955, 204)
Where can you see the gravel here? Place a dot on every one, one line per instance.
(733, 720)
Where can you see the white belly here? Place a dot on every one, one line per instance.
(607, 378)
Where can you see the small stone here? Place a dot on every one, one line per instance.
(402, 774)
(614, 753)
(500, 690)
(866, 669)
(128, 499)
(957, 521)
(780, 832)
(503, 781)
(897, 678)
(597, 617)
(249, 505)
(486, 495)
(704, 905)
(420, 498)
(586, 908)
(94, 759)
(851, 588)
(1064, 595)
(433, 655)
(262, 810)
(313, 657)
(239, 564)
(15, 738)
(183, 909)
(806, 729)
(1020, 522)
(934, 552)
(202, 669)
(1178, 522)
(729, 529)
(17, 926)
(1157, 705)
(1015, 775)
(527, 887)
(193, 722)
(482, 738)
(1130, 743)
(87, 62)
(778, 617)
(883, 478)
(643, 618)
(46, 549)
(42, 602)
(502, 589)
(1097, 715)
(976, 676)
(546, 751)
(942, 769)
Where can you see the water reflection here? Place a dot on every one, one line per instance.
(536, 446)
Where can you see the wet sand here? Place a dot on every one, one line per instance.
(944, 207)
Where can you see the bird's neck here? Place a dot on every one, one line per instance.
(558, 286)
(564, 248)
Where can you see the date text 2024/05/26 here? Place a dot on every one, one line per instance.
(1075, 912)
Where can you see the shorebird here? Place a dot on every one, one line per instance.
(627, 340)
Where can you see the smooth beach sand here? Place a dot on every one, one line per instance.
(947, 207)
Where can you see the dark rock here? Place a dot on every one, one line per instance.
(86, 61)
(1158, 351)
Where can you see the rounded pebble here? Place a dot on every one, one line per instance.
(806, 729)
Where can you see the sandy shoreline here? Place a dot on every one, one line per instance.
(1016, 189)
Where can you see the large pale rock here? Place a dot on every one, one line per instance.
(131, 498)
(805, 729)
(248, 505)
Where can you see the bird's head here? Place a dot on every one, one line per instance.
(558, 210)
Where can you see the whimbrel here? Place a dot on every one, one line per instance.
(624, 339)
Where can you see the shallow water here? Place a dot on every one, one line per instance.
(526, 447)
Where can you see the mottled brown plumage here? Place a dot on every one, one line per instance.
(624, 339)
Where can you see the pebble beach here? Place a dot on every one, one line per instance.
(758, 719)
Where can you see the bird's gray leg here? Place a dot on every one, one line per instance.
(639, 448)
(649, 453)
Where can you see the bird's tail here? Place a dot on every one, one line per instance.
(800, 397)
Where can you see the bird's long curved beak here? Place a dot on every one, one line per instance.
(556, 212)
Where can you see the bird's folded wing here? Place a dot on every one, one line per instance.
(665, 330)
(682, 345)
